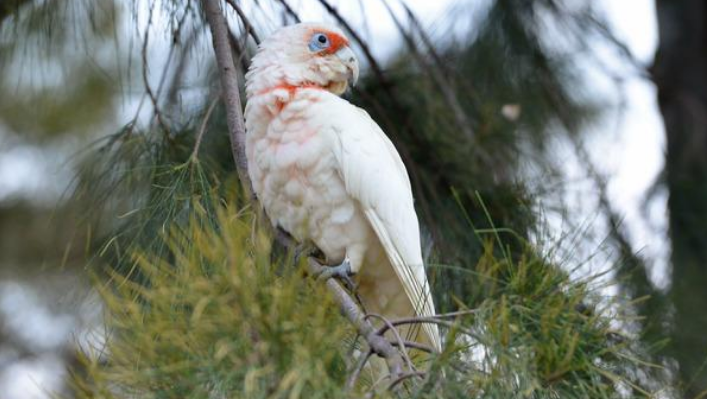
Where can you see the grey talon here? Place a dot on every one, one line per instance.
(341, 272)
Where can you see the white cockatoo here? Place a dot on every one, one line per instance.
(326, 173)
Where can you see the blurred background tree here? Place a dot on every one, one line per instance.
(680, 72)
(485, 104)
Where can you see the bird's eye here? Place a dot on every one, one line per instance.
(318, 42)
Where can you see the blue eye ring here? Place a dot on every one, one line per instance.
(319, 42)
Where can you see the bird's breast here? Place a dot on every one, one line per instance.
(295, 175)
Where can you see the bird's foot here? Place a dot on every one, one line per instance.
(305, 249)
(341, 272)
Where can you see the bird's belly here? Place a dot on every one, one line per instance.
(303, 193)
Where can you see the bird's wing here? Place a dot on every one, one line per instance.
(375, 175)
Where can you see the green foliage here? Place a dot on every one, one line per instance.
(543, 335)
(217, 320)
(138, 184)
(81, 106)
(50, 87)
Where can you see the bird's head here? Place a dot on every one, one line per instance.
(304, 55)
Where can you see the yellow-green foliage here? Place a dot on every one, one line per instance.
(536, 333)
(543, 338)
(216, 319)
(218, 316)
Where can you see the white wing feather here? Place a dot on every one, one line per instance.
(375, 175)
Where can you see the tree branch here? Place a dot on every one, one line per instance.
(398, 339)
(150, 93)
(229, 90)
(290, 11)
(246, 22)
(353, 377)
(350, 309)
(202, 129)
(437, 75)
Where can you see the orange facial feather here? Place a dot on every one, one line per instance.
(336, 42)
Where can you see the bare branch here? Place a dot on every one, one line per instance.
(151, 95)
(202, 129)
(432, 50)
(230, 90)
(398, 339)
(426, 39)
(436, 74)
(404, 377)
(290, 11)
(458, 313)
(178, 75)
(354, 376)
(437, 319)
(415, 345)
(246, 21)
(239, 49)
(350, 309)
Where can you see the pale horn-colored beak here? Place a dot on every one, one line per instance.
(348, 58)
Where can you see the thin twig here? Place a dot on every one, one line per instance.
(290, 11)
(423, 320)
(178, 75)
(426, 39)
(436, 319)
(155, 95)
(353, 378)
(415, 345)
(151, 95)
(246, 21)
(175, 39)
(238, 47)
(366, 28)
(404, 377)
(398, 339)
(202, 129)
(432, 50)
(436, 74)
(458, 313)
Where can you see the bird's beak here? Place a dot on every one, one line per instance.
(347, 57)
